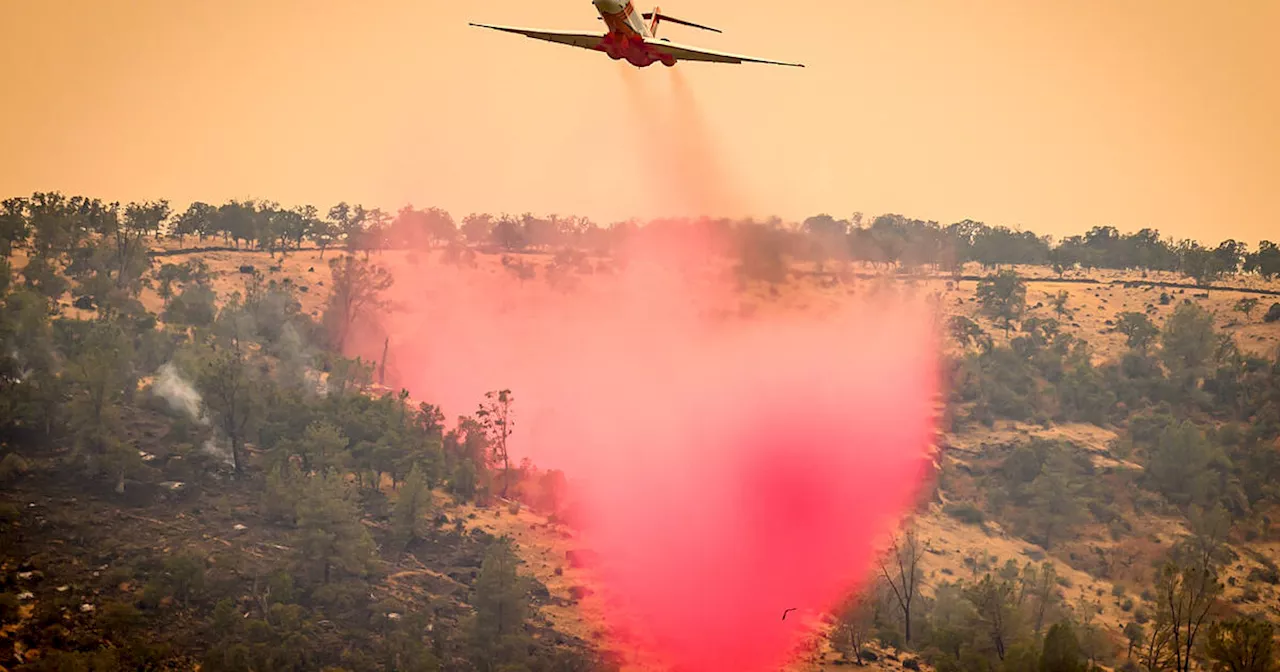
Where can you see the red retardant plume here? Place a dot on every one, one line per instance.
(728, 468)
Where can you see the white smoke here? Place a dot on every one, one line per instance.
(20, 366)
(183, 397)
(220, 448)
(180, 394)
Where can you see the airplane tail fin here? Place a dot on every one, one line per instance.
(656, 16)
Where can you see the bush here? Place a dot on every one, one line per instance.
(1264, 575)
(965, 513)
(890, 637)
(1117, 590)
(1273, 313)
(12, 467)
(1127, 605)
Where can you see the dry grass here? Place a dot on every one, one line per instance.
(543, 546)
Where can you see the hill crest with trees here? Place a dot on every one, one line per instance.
(212, 480)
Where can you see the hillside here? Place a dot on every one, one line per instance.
(184, 520)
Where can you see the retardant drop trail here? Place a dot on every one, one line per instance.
(730, 468)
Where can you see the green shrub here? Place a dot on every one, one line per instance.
(12, 467)
(965, 513)
(9, 512)
(1273, 313)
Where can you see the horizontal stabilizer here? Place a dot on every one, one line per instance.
(663, 17)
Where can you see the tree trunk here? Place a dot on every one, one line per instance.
(906, 622)
(382, 366)
(506, 469)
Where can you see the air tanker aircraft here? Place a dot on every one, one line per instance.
(630, 38)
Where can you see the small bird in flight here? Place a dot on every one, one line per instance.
(785, 611)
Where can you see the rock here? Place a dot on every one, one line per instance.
(538, 590)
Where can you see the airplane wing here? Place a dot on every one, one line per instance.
(685, 53)
(572, 38)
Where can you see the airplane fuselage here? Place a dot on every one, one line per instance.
(632, 36)
(627, 33)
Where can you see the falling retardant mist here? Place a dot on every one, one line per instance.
(726, 468)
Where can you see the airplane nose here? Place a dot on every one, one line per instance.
(608, 6)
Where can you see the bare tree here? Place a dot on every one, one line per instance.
(495, 417)
(1041, 585)
(994, 602)
(357, 287)
(229, 397)
(1188, 582)
(854, 622)
(1156, 654)
(900, 568)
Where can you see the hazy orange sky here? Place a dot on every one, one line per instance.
(1050, 115)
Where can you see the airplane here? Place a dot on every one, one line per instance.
(629, 38)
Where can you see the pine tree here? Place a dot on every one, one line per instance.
(413, 503)
(330, 535)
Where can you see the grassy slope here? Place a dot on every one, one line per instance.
(543, 546)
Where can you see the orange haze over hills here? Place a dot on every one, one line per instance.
(1055, 116)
